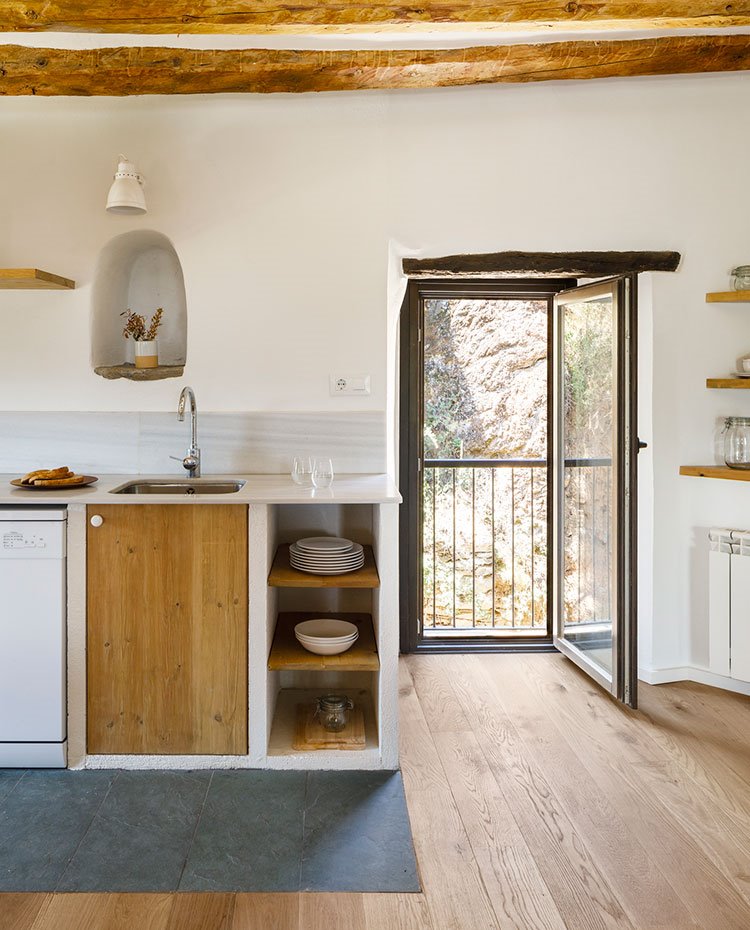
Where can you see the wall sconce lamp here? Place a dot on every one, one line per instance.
(126, 193)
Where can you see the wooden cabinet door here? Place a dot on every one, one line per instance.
(167, 629)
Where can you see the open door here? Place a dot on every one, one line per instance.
(594, 482)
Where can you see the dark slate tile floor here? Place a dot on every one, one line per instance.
(204, 831)
(356, 823)
(140, 837)
(251, 834)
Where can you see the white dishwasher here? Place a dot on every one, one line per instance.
(32, 637)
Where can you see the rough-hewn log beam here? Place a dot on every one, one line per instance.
(576, 264)
(117, 72)
(248, 16)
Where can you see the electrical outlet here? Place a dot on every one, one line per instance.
(349, 384)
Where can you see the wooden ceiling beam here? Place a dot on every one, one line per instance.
(117, 72)
(303, 16)
(553, 264)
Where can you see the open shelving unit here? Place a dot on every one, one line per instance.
(728, 297)
(722, 471)
(290, 675)
(33, 279)
(288, 657)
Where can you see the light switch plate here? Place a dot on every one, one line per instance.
(349, 384)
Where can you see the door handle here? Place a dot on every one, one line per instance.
(642, 445)
(96, 520)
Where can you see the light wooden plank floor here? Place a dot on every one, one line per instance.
(536, 803)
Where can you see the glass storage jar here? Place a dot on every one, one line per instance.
(737, 442)
(333, 711)
(741, 278)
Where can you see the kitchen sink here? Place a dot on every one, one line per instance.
(190, 486)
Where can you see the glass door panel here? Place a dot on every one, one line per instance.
(592, 594)
(484, 467)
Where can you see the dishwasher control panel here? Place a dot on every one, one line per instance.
(16, 540)
(22, 540)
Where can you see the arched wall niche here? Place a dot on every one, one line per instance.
(140, 271)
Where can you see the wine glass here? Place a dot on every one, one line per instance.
(322, 473)
(302, 467)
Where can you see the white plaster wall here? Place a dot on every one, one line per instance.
(282, 208)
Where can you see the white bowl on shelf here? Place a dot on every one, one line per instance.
(326, 636)
(333, 642)
(326, 628)
(321, 648)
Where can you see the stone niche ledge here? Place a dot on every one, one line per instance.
(138, 271)
(111, 372)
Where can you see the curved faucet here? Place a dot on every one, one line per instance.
(192, 461)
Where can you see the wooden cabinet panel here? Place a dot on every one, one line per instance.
(167, 629)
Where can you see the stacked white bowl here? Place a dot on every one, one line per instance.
(325, 636)
(326, 555)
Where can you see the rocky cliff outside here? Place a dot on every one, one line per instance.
(485, 527)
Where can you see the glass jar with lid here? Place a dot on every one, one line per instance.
(333, 710)
(737, 442)
(741, 278)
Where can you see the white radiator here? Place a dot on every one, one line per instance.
(729, 603)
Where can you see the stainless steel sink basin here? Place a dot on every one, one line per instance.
(191, 486)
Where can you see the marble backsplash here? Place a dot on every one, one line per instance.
(230, 443)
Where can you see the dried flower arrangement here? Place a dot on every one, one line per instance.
(135, 325)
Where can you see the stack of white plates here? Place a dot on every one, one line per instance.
(326, 637)
(326, 555)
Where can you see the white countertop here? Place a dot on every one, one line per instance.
(258, 489)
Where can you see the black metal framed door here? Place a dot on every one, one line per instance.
(440, 474)
(594, 501)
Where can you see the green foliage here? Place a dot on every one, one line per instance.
(588, 379)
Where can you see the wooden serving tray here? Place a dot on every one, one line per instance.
(310, 735)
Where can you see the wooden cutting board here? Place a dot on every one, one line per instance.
(309, 734)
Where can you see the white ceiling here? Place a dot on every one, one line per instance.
(395, 39)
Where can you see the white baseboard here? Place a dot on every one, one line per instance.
(663, 676)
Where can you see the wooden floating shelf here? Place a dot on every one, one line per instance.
(286, 652)
(728, 297)
(33, 279)
(110, 372)
(716, 471)
(284, 576)
(728, 383)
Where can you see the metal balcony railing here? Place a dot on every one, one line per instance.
(485, 545)
(484, 533)
(588, 541)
